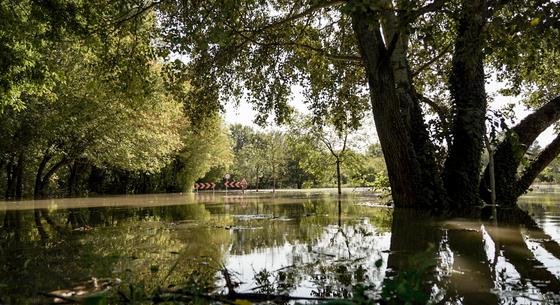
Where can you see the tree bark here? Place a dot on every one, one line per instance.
(395, 28)
(42, 180)
(72, 179)
(462, 167)
(403, 167)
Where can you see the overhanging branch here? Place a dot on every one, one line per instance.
(537, 166)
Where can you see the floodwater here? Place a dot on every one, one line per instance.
(297, 243)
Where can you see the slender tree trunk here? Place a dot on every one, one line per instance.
(10, 181)
(257, 185)
(338, 176)
(38, 190)
(273, 178)
(72, 179)
(462, 167)
(402, 165)
(19, 176)
(41, 181)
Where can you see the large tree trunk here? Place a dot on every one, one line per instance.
(512, 149)
(462, 167)
(403, 167)
(394, 29)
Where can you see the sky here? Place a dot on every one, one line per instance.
(245, 115)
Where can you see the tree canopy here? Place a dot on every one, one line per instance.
(412, 57)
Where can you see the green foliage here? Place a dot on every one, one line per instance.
(205, 147)
(106, 102)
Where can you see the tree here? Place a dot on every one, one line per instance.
(336, 47)
(250, 149)
(109, 107)
(276, 155)
(336, 143)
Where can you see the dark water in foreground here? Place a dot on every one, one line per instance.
(297, 242)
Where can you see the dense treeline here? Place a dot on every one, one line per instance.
(93, 108)
(299, 158)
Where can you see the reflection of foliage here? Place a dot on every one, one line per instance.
(152, 248)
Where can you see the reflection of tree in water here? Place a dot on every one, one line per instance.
(330, 263)
(478, 262)
(44, 251)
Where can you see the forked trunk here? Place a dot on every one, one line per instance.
(402, 165)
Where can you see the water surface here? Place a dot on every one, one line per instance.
(297, 243)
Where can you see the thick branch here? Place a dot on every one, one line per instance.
(534, 124)
(511, 150)
(542, 161)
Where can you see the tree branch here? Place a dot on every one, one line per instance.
(510, 151)
(535, 123)
(320, 51)
(428, 8)
(442, 112)
(135, 12)
(423, 67)
(304, 13)
(537, 166)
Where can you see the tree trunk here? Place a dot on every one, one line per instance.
(10, 181)
(19, 176)
(395, 28)
(462, 167)
(97, 175)
(41, 181)
(273, 178)
(402, 165)
(72, 179)
(338, 176)
(38, 190)
(257, 185)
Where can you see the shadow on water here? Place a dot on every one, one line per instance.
(299, 244)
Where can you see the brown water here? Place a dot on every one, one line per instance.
(298, 243)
